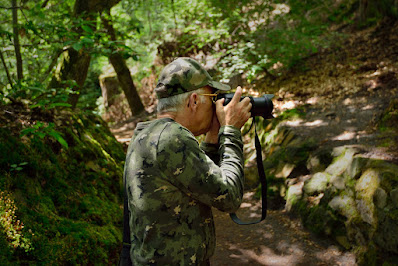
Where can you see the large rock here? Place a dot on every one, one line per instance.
(365, 189)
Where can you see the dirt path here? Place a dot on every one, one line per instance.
(278, 240)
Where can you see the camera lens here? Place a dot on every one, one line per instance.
(261, 106)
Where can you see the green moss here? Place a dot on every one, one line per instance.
(317, 183)
(69, 198)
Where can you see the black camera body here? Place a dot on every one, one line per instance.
(261, 106)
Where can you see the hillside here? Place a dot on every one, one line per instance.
(60, 188)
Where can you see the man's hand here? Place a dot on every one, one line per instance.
(236, 112)
(212, 134)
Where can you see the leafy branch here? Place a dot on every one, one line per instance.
(40, 130)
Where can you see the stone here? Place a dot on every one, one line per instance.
(366, 210)
(294, 193)
(345, 205)
(342, 162)
(338, 182)
(317, 183)
(365, 190)
(380, 198)
(284, 170)
(355, 168)
(394, 197)
(368, 183)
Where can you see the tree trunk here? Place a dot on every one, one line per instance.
(123, 73)
(73, 67)
(127, 84)
(17, 46)
(6, 69)
(74, 64)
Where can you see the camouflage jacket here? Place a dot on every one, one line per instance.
(172, 185)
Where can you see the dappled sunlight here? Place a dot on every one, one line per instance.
(316, 123)
(368, 107)
(334, 251)
(346, 135)
(263, 255)
(312, 100)
(294, 123)
(278, 240)
(310, 124)
(285, 105)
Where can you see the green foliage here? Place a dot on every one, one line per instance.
(40, 130)
(68, 199)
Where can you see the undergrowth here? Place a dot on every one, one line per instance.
(61, 204)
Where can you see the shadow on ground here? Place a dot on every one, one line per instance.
(278, 240)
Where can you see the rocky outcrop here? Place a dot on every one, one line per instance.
(341, 192)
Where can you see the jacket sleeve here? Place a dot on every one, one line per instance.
(186, 166)
(211, 150)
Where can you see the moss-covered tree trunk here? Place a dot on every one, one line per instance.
(73, 67)
(122, 71)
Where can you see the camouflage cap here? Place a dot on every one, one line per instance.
(182, 75)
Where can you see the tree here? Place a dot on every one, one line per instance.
(76, 58)
(121, 69)
(16, 39)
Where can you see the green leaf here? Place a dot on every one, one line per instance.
(58, 137)
(87, 29)
(77, 46)
(27, 131)
(40, 134)
(59, 105)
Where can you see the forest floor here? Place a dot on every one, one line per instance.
(344, 92)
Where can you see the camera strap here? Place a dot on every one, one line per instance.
(263, 182)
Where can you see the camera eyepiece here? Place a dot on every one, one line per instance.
(261, 106)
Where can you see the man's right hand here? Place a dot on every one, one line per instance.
(236, 112)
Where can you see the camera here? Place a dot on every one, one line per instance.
(261, 106)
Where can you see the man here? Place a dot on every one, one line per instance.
(172, 182)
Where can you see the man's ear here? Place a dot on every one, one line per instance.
(193, 101)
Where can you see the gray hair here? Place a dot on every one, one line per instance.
(174, 103)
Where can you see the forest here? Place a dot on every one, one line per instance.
(76, 76)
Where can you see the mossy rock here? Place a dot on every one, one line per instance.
(342, 161)
(317, 183)
(345, 205)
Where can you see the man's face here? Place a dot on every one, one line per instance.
(204, 116)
